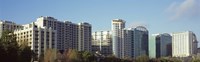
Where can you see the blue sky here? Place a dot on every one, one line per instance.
(159, 16)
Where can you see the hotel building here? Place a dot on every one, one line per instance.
(69, 35)
(47, 32)
(184, 44)
(39, 38)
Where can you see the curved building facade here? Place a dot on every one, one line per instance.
(140, 44)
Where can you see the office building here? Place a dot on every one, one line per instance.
(140, 41)
(160, 45)
(135, 42)
(184, 44)
(163, 45)
(102, 42)
(117, 32)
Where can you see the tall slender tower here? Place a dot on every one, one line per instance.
(117, 29)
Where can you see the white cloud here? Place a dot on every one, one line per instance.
(185, 9)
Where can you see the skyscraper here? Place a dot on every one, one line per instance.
(184, 44)
(117, 29)
(140, 44)
(135, 42)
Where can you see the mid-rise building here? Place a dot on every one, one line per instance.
(8, 25)
(102, 42)
(39, 38)
(117, 33)
(184, 44)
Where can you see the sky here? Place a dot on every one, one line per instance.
(158, 16)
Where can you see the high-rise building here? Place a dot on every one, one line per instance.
(127, 45)
(8, 25)
(84, 36)
(140, 41)
(135, 42)
(102, 42)
(117, 33)
(184, 44)
(67, 32)
(160, 45)
(39, 38)
(48, 32)
(69, 35)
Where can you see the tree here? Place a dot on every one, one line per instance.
(9, 47)
(110, 58)
(142, 58)
(50, 55)
(25, 52)
(72, 56)
(10, 51)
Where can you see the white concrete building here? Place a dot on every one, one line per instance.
(48, 32)
(184, 44)
(67, 32)
(69, 35)
(39, 38)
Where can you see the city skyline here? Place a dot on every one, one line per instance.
(157, 16)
